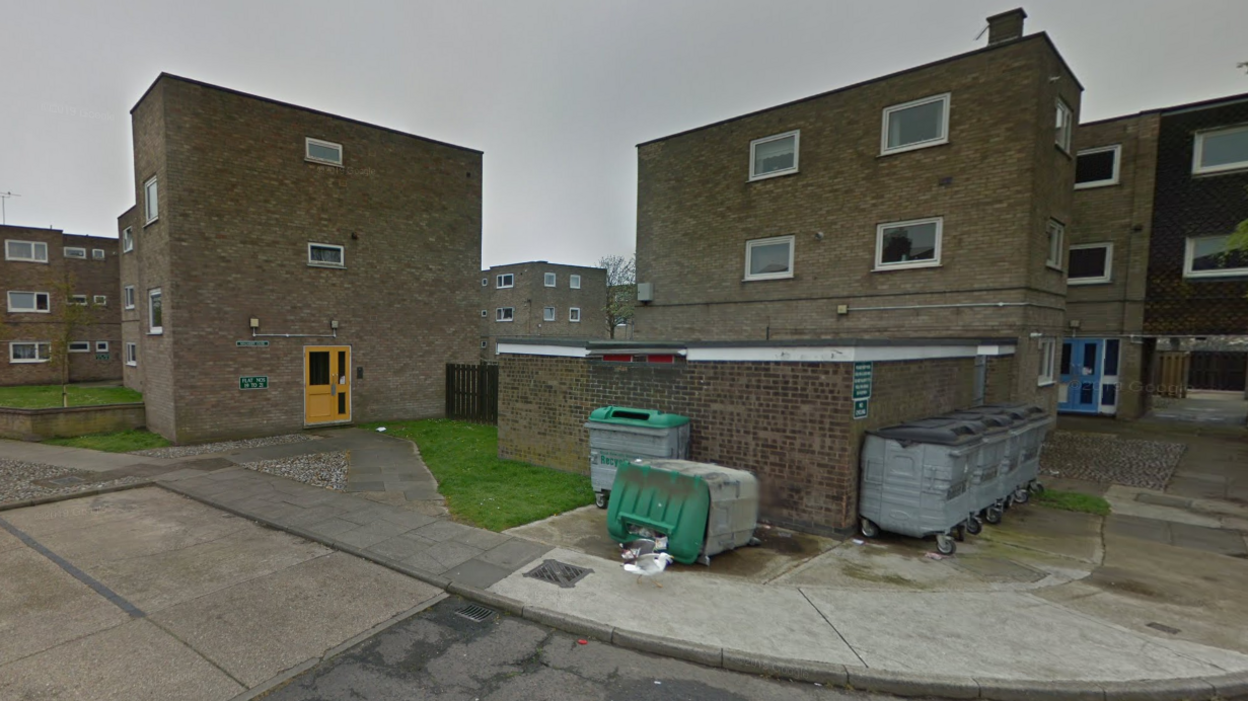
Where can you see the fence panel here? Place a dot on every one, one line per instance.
(472, 392)
(1221, 370)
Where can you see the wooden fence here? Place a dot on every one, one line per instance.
(1172, 375)
(472, 392)
(1221, 370)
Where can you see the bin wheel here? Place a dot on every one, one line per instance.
(959, 532)
(868, 528)
(1022, 496)
(993, 515)
(945, 545)
(600, 500)
(1037, 488)
(973, 526)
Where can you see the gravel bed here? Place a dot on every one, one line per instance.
(17, 480)
(183, 451)
(328, 470)
(1103, 457)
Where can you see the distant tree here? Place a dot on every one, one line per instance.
(68, 319)
(621, 290)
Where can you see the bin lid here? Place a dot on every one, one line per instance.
(629, 416)
(992, 422)
(1029, 412)
(936, 431)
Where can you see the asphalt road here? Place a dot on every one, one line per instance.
(439, 654)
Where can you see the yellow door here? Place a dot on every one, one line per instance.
(327, 374)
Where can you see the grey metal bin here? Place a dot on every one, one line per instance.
(619, 435)
(733, 511)
(915, 479)
(995, 463)
(1035, 425)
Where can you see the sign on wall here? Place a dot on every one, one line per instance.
(860, 408)
(254, 382)
(101, 356)
(862, 381)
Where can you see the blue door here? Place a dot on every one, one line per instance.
(1089, 376)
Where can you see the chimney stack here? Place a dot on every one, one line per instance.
(1006, 26)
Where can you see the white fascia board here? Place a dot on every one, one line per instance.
(840, 354)
(995, 350)
(529, 349)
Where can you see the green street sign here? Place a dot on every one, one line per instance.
(101, 356)
(862, 381)
(252, 344)
(254, 382)
(860, 408)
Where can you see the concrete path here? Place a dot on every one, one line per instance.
(75, 458)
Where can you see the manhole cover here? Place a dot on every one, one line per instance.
(560, 573)
(1163, 628)
(66, 481)
(476, 613)
(998, 570)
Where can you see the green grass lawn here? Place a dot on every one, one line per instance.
(121, 442)
(482, 490)
(49, 396)
(1072, 501)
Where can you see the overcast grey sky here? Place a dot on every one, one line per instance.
(556, 93)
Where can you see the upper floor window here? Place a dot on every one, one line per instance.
(326, 152)
(37, 302)
(1065, 126)
(548, 314)
(550, 279)
(504, 314)
(79, 346)
(908, 244)
(1090, 263)
(128, 296)
(101, 346)
(74, 252)
(151, 200)
(504, 281)
(774, 155)
(1211, 256)
(769, 259)
(574, 315)
(574, 281)
(1221, 150)
(1097, 167)
(127, 240)
(1047, 362)
(80, 300)
(155, 311)
(916, 124)
(132, 354)
(99, 254)
(99, 300)
(30, 352)
(1056, 231)
(30, 251)
(326, 255)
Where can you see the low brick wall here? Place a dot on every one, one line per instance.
(791, 424)
(38, 424)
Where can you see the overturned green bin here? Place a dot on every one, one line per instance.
(703, 509)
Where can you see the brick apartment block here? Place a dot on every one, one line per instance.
(539, 299)
(351, 249)
(36, 267)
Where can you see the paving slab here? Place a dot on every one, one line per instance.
(73, 458)
(1209, 539)
(476, 573)
(400, 547)
(371, 533)
(514, 553)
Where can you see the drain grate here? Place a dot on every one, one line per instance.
(1163, 628)
(560, 573)
(476, 613)
(67, 481)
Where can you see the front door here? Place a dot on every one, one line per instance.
(327, 389)
(1089, 376)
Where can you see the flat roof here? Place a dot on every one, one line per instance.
(542, 262)
(1185, 107)
(597, 344)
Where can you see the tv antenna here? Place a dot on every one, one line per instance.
(4, 196)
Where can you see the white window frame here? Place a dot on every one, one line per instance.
(797, 151)
(1117, 149)
(76, 252)
(549, 314)
(1063, 127)
(906, 265)
(101, 346)
(550, 279)
(1046, 375)
(80, 300)
(508, 312)
(485, 313)
(47, 352)
(127, 239)
(942, 139)
(1108, 275)
(83, 347)
(1189, 250)
(1198, 151)
(99, 254)
(152, 329)
(511, 281)
(47, 299)
(574, 315)
(1053, 257)
(749, 249)
(34, 251)
(342, 255)
(132, 354)
(574, 282)
(99, 300)
(127, 295)
(151, 200)
(307, 152)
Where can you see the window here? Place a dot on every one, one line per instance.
(1065, 126)
(916, 124)
(29, 251)
(80, 300)
(98, 254)
(127, 240)
(29, 352)
(325, 255)
(550, 280)
(326, 152)
(74, 252)
(1210, 256)
(36, 302)
(101, 346)
(1048, 358)
(1090, 263)
(774, 155)
(128, 296)
(574, 282)
(1056, 232)
(485, 282)
(1221, 150)
(1097, 167)
(132, 354)
(155, 314)
(908, 244)
(484, 313)
(769, 259)
(80, 347)
(100, 300)
(548, 314)
(574, 314)
(151, 200)
(504, 314)
(504, 281)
